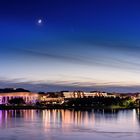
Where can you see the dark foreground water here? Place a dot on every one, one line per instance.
(69, 125)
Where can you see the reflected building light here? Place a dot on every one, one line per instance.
(134, 116)
(54, 116)
(1, 116)
(46, 121)
(32, 114)
(66, 119)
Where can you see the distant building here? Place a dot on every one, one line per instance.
(98, 94)
(48, 100)
(81, 94)
(28, 97)
(51, 97)
(74, 94)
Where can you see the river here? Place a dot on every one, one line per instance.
(69, 125)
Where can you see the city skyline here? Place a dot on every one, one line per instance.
(67, 45)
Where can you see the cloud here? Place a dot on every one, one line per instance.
(123, 44)
(47, 86)
(48, 55)
(96, 60)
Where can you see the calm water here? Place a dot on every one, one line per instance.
(69, 125)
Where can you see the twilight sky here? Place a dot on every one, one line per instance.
(78, 44)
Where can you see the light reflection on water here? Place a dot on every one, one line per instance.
(69, 124)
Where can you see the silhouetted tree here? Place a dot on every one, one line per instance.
(17, 101)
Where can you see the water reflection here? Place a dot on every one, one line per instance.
(138, 115)
(68, 124)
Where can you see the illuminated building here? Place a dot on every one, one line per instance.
(28, 97)
(81, 94)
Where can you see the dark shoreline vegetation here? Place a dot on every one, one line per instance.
(60, 107)
(76, 103)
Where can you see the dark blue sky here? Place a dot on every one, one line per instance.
(80, 44)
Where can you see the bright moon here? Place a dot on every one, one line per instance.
(39, 21)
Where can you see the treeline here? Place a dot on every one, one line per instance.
(81, 103)
(10, 90)
(102, 102)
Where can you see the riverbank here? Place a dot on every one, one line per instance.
(9, 107)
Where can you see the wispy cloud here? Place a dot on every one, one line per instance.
(91, 60)
(68, 85)
(59, 57)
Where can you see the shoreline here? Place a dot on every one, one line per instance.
(63, 107)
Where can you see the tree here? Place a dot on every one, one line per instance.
(17, 101)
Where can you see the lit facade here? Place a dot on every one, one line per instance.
(28, 97)
(74, 94)
(81, 94)
(48, 100)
